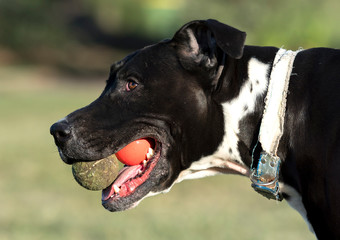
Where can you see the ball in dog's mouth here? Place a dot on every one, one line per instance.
(135, 152)
(130, 177)
(96, 175)
(101, 174)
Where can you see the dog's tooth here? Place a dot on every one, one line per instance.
(144, 163)
(150, 153)
(116, 188)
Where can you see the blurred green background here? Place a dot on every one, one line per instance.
(54, 58)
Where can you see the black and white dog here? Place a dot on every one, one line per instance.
(201, 97)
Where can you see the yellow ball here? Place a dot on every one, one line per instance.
(96, 175)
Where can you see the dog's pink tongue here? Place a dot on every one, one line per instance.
(124, 174)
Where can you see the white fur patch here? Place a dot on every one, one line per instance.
(295, 201)
(227, 154)
(234, 111)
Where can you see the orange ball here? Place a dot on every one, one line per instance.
(134, 153)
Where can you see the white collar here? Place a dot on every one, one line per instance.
(272, 124)
(265, 176)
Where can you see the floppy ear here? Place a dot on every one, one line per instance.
(201, 41)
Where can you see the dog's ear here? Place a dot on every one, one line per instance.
(201, 41)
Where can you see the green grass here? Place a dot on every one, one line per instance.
(40, 200)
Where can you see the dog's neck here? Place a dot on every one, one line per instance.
(246, 83)
(241, 92)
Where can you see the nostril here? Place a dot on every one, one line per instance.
(63, 134)
(61, 131)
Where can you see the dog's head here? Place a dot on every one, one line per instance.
(165, 93)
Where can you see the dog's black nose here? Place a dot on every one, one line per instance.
(61, 132)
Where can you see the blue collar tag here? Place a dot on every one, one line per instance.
(265, 178)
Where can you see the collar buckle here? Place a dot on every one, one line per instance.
(265, 178)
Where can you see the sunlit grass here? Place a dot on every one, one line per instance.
(40, 200)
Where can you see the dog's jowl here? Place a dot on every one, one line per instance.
(203, 99)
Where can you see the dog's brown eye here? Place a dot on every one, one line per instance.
(131, 85)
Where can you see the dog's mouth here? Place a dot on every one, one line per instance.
(131, 177)
(142, 176)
